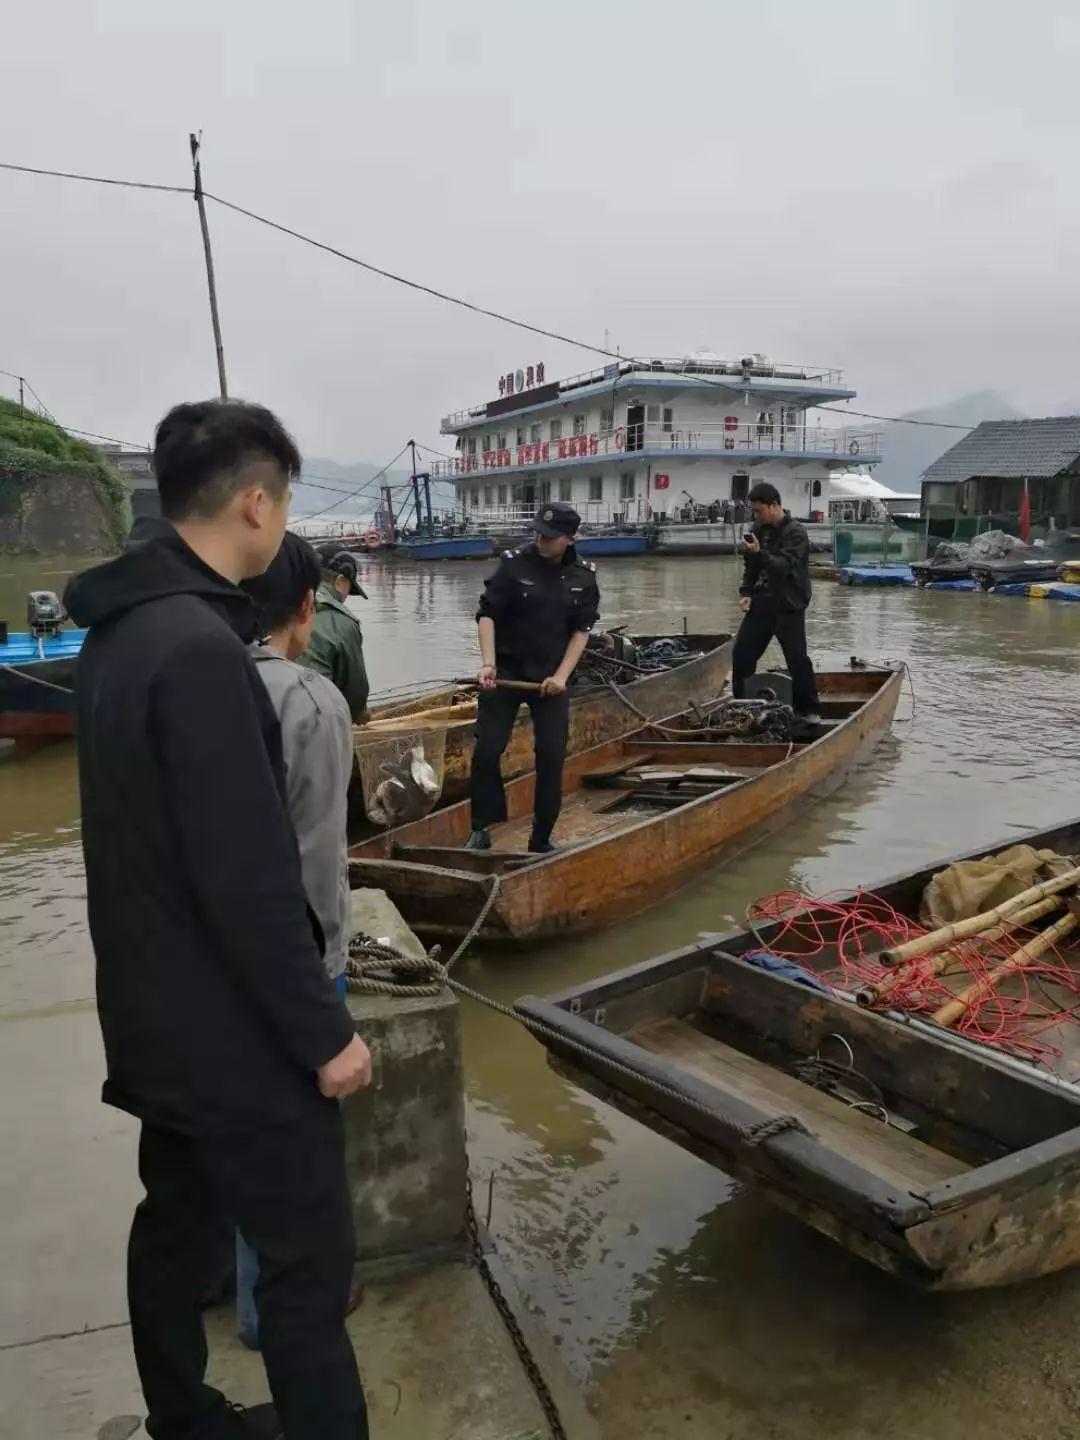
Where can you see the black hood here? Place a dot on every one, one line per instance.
(158, 566)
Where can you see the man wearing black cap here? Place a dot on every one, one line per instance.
(336, 649)
(534, 620)
(775, 592)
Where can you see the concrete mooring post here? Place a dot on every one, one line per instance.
(405, 1136)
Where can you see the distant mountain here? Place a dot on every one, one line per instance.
(909, 449)
(341, 479)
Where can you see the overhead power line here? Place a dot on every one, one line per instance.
(419, 286)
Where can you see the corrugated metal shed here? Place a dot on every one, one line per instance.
(1011, 449)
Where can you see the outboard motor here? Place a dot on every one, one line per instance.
(45, 615)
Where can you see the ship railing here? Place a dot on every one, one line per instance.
(826, 377)
(757, 438)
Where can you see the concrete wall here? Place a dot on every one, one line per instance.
(405, 1137)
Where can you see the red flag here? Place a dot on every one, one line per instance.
(1025, 514)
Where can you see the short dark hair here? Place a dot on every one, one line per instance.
(200, 450)
(764, 493)
(279, 592)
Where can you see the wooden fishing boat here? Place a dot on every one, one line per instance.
(642, 815)
(974, 1179)
(596, 712)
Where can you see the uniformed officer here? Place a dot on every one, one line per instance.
(336, 647)
(534, 618)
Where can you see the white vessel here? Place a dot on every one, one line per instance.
(653, 441)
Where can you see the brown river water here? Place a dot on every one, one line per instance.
(684, 1305)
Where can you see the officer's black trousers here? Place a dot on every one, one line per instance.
(494, 721)
(284, 1188)
(761, 623)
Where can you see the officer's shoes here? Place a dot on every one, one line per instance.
(478, 840)
(542, 847)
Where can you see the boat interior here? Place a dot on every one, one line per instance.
(616, 785)
(913, 1106)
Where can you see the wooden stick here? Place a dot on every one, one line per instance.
(449, 713)
(871, 994)
(504, 684)
(964, 929)
(954, 1009)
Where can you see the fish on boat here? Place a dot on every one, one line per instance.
(943, 1159)
(643, 814)
(692, 667)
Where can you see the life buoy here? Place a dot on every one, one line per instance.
(620, 439)
(853, 448)
(372, 538)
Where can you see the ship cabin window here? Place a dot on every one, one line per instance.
(502, 494)
(487, 442)
(521, 435)
(534, 434)
(566, 491)
(626, 486)
(474, 497)
(596, 487)
(607, 422)
(556, 430)
(545, 490)
(470, 444)
(816, 492)
(664, 416)
(500, 441)
(489, 497)
(580, 424)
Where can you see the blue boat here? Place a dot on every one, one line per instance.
(37, 684)
(611, 545)
(450, 547)
(875, 575)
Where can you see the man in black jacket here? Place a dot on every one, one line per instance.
(775, 592)
(223, 1032)
(533, 624)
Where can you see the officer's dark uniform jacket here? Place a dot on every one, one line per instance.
(537, 607)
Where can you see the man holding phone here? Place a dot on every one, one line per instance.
(775, 592)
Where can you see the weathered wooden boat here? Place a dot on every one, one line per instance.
(642, 815)
(596, 712)
(37, 683)
(973, 1181)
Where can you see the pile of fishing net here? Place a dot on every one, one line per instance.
(990, 957)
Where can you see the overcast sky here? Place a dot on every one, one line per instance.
(885, 187)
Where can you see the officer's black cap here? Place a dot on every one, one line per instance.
(556, 519)
(340, 562)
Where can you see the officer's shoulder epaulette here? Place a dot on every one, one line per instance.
(588, 565)
(511, 554)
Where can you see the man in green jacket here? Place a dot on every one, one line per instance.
(336, 648)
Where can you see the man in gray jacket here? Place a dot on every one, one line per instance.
(316, 736)
(316, 741)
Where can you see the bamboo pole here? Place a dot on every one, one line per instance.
(964, 929)
(949, 1013)
(447, 713)
(871, 994)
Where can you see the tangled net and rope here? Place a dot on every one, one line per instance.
(838, 937)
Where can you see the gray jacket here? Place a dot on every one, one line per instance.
(316, 737)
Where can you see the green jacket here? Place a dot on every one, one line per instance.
(336, 649)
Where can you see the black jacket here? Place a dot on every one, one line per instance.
(215, 1006)
(781, 572)
(536, 607)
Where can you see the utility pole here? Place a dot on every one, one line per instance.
(22, 397)
(214, 318)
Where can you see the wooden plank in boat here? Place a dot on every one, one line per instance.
(888, 1153)
(456, 857)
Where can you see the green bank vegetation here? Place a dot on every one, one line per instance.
(35, 451)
